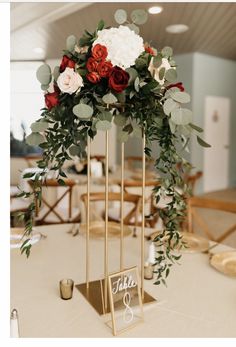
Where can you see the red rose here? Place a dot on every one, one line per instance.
(51, 99)
(104, 68)
(177, 85)
(91, 64)
(93, 77)
(99, 52)
(149, 50)
(66, 62)
(118, 79)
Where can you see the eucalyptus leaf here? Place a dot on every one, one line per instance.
(195, 127)
(120, 16)
(139, 16)
(172, 126)
(137, 132)
(181, 97)
(169, 106)
(171, 75)
(103, 125)
(109, 99)
(202, 142)
(44, 87)
(105, 115)
(181, 116)
(132, 74)
(74, 150)
(83, 111)
(38, 127)
(43, 74)
(56, 72)
(35, 139)
(157, 60)
(123, 136)
(167, 52)
(133, 27)
(71, 41)
(162, 73)
(121, 97)
(136, 84)
(120, 120)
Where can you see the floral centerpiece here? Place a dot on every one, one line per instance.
(113, 76)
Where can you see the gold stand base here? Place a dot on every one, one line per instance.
(94, 296)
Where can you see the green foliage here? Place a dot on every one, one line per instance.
(109, 99)
(71, 41)
(120, 16)
(144, 106)
(35, 139)
(139, 16)
(83, 111)
(44, 74)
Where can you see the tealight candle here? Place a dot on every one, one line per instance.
(66, 288)
(148, 271)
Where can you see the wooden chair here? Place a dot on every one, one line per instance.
(219, 205)
(133, 161)
(153, 215)
(130, 217)
(31, 159)
(52, 213)
(191, 180)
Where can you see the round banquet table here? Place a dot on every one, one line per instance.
(198, 300)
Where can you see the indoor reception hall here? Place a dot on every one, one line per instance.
(122, 220)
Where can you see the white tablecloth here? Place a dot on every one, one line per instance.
(198, 302)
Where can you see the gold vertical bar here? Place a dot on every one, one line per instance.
(106, 223)
(88, 213)
(143, 216)
(122, 209)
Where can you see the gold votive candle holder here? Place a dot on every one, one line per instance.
(66, 288)
(148, 271)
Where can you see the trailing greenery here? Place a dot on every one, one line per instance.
(149, 104)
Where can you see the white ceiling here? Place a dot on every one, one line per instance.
(47, 25)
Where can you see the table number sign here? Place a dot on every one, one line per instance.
(125, 299)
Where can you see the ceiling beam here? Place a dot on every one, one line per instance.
(42, 13)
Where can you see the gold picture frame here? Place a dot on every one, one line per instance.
(125, 300)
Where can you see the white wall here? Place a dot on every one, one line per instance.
(204, 75)
(26, 96)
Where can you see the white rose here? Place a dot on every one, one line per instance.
(69, 81)
(155, 70)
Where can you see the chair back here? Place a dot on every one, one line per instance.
(131, 198)
(220, 205)
(63, 216)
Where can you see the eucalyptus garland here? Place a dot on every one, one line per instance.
(112, 76)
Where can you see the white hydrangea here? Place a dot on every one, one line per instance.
(155, 71)
(123, 45)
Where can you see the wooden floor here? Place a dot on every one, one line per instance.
(219, 221)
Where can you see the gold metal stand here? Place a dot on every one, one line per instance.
(122, 208)
(96, 292)
(88, 213)
(106, 226)
(143, 217)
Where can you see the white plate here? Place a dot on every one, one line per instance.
(16, 239)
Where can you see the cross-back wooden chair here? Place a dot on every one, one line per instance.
(132, 161)
(31, 159)
(200, 202)
(52, 212)
(153, 215)
(130, 217)
(191, 180)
